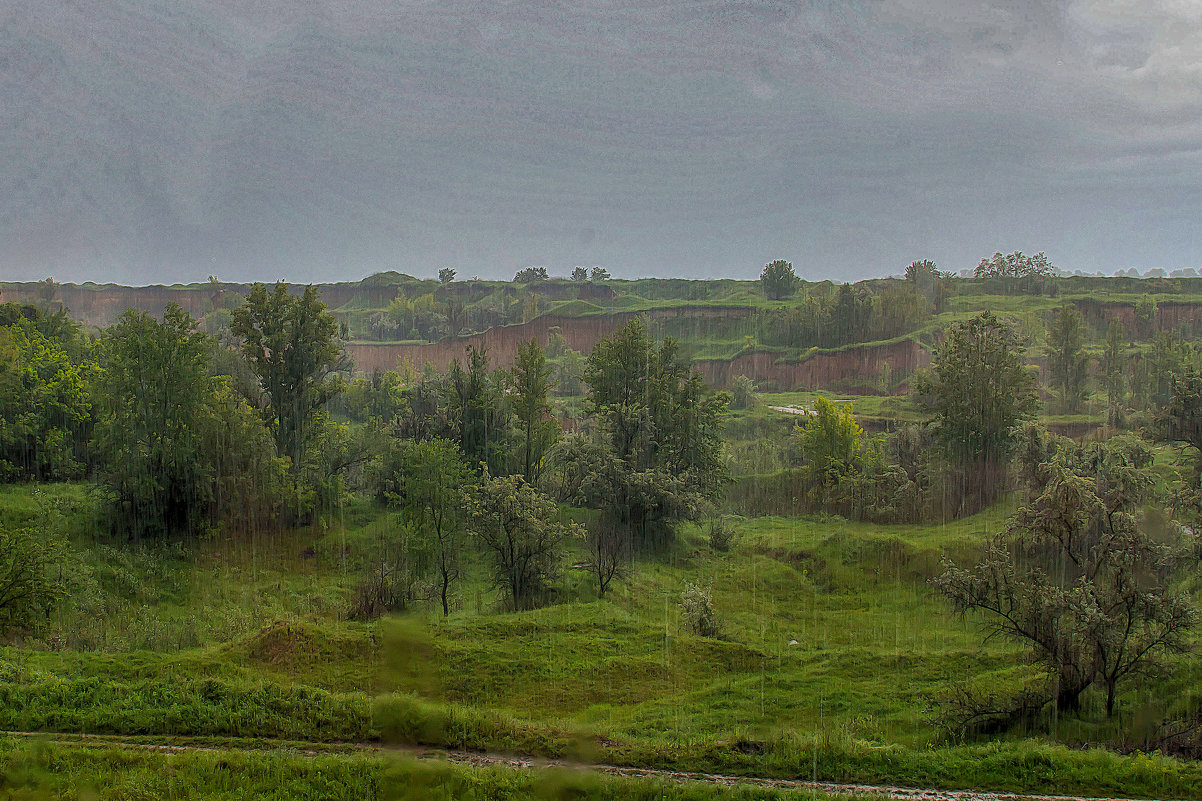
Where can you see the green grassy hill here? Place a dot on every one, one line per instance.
(833, 653)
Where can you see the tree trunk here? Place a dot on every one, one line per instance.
(1068, 699)
(1110, 698)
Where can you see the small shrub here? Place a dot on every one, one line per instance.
(722, 535)
(29, 577)
(697, 607)
(742, 391)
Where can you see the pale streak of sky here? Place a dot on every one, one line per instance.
(155, 140)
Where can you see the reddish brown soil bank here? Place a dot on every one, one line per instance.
(841, 368)
(1169, 313)
(580, 333)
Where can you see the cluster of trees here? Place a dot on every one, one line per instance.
(1083, 573)
(437, 313)
(828, 316)
(1132, 381)
(1016, 265)
(533, 275)
(956, 462)
(186, 432)
(648, 457)
(977, 393)
(46, 414)
(421, 311)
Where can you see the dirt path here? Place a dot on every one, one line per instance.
(483, 760)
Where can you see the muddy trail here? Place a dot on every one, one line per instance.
(475, 759)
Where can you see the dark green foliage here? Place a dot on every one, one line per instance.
(1067, 363)
(1015, 265)
(1170, 356)
(1113, 368)
(1145, 317)
(433, 486)
(778, 280)
(657, 459)
(379, 398)
(181, 450)
(529, 383)
(1180, 420)
(291, 344)
(829, 318)
(930, 281)
(30, 576)
(923, 273)
(977, 391)
(518, 529)
(476, 412)
(742, 392)
(580, 273)
(446, 275)
(530, 275)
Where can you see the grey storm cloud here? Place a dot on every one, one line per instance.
(149, 141)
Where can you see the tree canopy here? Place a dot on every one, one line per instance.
(1067, 362)
(657, 456)
(1078, 576)
(778, 280)
(291, 344)
(976, 392)
(1015, 265)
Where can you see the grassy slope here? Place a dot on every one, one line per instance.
(616, 679)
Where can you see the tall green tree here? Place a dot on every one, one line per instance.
(182, 450)
(975, 394)
(1180, 419)
(658, 456)
(476, 411)
(1067, 363)
(831, 441)
(30, 576)
(45, 406)
(1113, 367)
(432, 484)
(1145, 317)
(529, 384)
(1078, 577)
(292, 345)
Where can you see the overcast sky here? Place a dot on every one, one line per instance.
(145, 141)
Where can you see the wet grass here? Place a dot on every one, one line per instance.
(833, 652)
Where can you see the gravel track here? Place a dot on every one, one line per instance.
(483, 760)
